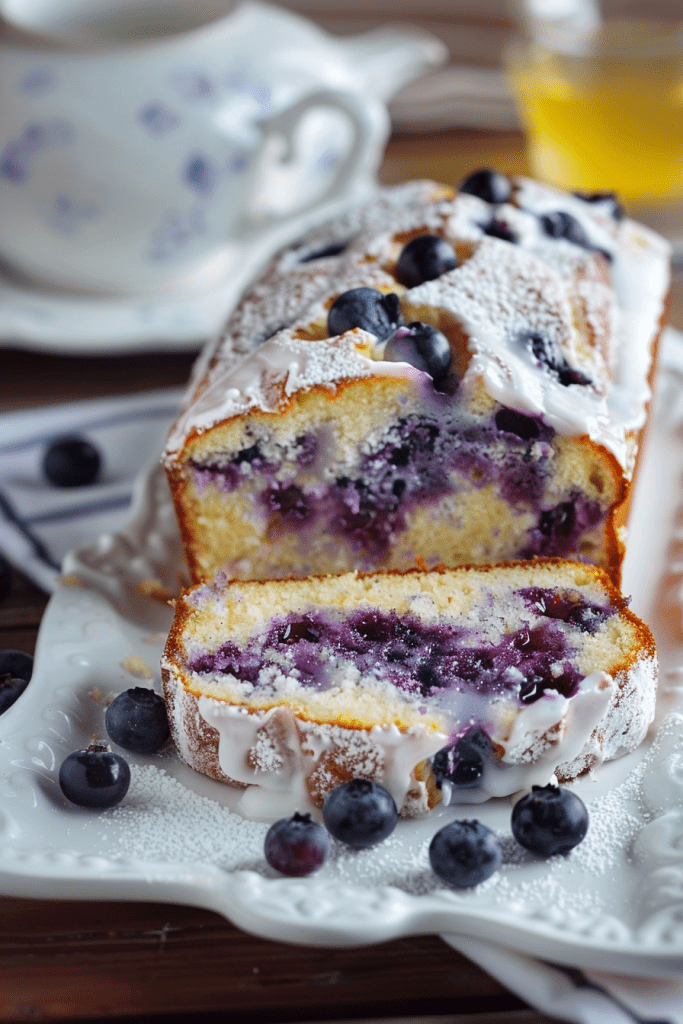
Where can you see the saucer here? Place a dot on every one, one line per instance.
(64, 323)
(68, 323)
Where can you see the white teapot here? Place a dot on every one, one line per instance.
(142, 147)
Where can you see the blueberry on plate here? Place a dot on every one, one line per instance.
(10, 689)
(366, 308)
(425, 258)
(360, 813)
(465, 853)
(94, 777)
(550, 820)
(491, 186)
(296, 846)
(422, 346)
(17, 664)
(137, 721)
(71, 462)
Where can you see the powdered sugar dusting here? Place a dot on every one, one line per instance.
(163, 820)
(553, 286)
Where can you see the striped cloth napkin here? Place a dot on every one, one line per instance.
(40, 523)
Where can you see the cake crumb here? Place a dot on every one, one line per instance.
(138, 667)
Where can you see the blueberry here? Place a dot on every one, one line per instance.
(589, 617)
(289, 501)
(360, 813)
(491, 186)
(423, 259)
(465, 853)
(422, 346)
(137, 721)
(366, 308)
(10, 689)
(559, 521)
(608, 200)
(511, 422)
(71, 462)
(560, 224)
(550, 820)
(296, 846)
(499, 228)
(546, 354)
(296, 631)
(94, 777)
(5, 578)
(333, 249)
(462, 764)
(17, 664)
(567, 375)
(249, 455)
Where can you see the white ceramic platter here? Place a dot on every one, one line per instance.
(616, 903)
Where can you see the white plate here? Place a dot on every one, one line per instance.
(616, 903)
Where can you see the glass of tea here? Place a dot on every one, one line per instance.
(599, 90)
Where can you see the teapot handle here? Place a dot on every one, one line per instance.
(284, 124)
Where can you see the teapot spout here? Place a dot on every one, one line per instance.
(391, 57)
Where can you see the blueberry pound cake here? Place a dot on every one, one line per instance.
(450, 685)
(438, 377)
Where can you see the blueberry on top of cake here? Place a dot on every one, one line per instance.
(447, 376)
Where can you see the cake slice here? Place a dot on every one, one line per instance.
(448, 684)
(438, 377)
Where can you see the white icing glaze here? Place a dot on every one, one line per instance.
(241, 373)
(571, 722)
(305, 743)
(528, 758)
(284, 365)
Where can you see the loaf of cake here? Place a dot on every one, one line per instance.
(447, 685)
(437, 377)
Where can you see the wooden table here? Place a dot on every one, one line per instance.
(64, 961)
